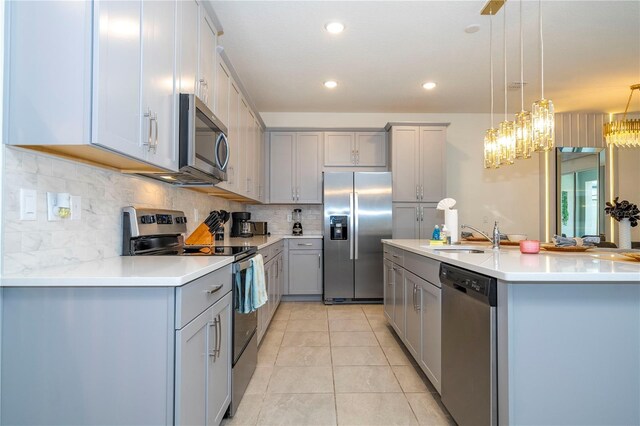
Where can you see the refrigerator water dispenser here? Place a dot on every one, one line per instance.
(338, 226)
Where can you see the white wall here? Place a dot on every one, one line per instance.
(509, 194)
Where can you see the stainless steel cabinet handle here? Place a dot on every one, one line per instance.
(353, 156)
(422, 192)
(422, 214)
(155, 122)
(305, 244)
(358, 156)
(396, 256)
(219, 336)
(150, 135)
(417, 214)
(319, 261)
(214, 288)
(212, 352)
(417, 192)
(293, 193)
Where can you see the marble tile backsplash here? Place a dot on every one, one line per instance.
(276, 215)
(28, 245)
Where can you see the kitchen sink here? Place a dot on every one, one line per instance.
(458, 250)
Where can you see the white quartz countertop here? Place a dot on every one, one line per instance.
(136, 271)
(123, 271)
(509, 264)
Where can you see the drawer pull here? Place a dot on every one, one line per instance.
(214, 288)
(305, 244)
(397, 257)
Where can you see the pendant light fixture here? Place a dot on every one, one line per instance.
(506, 129)
(542, 114)
(624, 133)
(524, 144)
(491, 151)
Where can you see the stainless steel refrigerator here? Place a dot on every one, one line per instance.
(357, 215)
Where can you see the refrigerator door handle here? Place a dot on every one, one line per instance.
(351, 219)
(355, 232)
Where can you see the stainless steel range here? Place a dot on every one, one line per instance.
(156, 232)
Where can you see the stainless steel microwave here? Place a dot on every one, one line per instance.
(203, 147)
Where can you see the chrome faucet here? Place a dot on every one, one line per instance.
(495, 241)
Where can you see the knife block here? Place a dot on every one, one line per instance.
(201, 236)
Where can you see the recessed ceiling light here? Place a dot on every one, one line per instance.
(334, 27)
(429, 85)
(474, 28)
(330, 84)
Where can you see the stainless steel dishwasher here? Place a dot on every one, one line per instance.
(469, 368)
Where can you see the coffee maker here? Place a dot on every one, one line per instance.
(297, 222)
(241, 226)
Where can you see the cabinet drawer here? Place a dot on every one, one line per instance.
(425, 268)
(305, 244)
(278, 248)
(194, 298)
(267, 253)
(393, 254)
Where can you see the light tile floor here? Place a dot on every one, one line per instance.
(328, 365)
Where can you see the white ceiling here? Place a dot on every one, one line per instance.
(389, 48)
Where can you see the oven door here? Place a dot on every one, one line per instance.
(244, 325)
(203, 139)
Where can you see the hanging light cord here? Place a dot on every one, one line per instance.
(491, 59)
(521, 63)
(541, 48)
(504, 48)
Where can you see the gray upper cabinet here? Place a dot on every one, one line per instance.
(104, 76)
(417, 154)
(223, 87)
(362, 149)
(295, 174)
(207, 61)
(415, 220)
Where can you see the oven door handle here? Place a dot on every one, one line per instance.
(241, 266)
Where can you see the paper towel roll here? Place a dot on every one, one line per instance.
(451, 222)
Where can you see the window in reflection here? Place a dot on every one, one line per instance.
(580, 191)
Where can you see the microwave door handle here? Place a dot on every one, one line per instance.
(222, 164)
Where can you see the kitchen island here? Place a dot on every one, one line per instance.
(567, 329)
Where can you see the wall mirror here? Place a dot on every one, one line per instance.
(580, 191)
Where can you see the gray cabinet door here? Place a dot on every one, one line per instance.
(219, 366)
(398, 300)
(308, 167)
(412, 290)
(192, 359)
(405, 144)
(430, 360)
(281, 173)
(371, 149)
(432, 179)
(305, 271)
(339, 149)
(406, 220)
(388, 290)
(429, 218)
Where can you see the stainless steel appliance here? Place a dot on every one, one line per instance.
(297, 222)
(260, 228)
(357, 215)
(203, 152)
(242, 225)
(469, 373)
(159, 232)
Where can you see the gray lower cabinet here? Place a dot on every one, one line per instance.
(117, 355)
(203, 379)
(430, 358)
(412, 304)
(305, 271)
(273, 256)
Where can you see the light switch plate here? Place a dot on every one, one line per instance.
(76, 207)
(28, 204)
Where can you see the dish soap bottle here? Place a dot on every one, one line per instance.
(436, 233)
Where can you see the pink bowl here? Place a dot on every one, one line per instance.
(530, 246)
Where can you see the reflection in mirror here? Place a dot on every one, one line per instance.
(580, 176)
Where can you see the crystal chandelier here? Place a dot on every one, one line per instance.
(506, 129)
(542, 119)
(624, 133)
(491, 148)
(522, 124)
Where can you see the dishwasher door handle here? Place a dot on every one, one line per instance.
(459, 288)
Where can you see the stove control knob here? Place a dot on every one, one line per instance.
(145, 219)
(184, 219)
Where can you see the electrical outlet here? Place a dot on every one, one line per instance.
(28, 204)
(289, 218)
